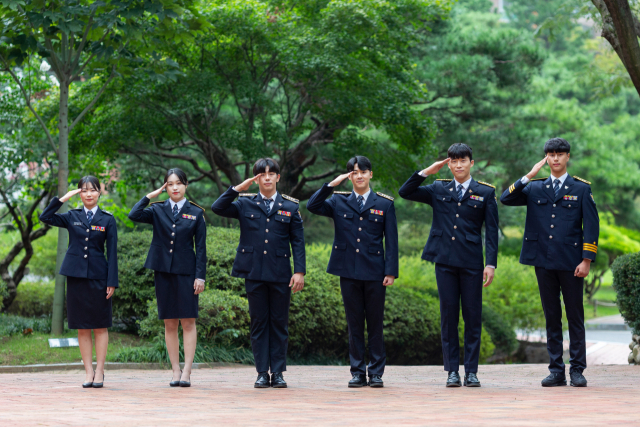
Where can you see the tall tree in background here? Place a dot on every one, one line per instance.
(79, 39)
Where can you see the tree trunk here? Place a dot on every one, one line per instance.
(57, 320)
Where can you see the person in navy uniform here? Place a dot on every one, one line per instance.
(91, 278)
(271, 233)
(560, 240)
(460, 207)
(362, 219)
(179, 272)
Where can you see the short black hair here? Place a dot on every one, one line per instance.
(557, 145)
(363, 163)
(459, 151)
(89, 180)
(182, 177)
(260, 166)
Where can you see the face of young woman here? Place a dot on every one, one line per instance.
(89, 196)
(175, 188)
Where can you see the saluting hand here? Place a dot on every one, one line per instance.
(340, 178)
(435, 168)
(70, 194)
(156, 193)
(297, 282)
(247, 183)
(536, 168)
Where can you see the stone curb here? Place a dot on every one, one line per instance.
(109, 365)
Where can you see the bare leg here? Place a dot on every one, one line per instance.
(86, 351)
(102, 342)
(173, 345)
(190, 337)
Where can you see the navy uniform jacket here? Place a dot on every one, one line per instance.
(357, 251)
(171, 249)
(559, 231)
(264, 252)
(455, 238)
(85, 256)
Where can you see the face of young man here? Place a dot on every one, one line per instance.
(360, 179)
(461, 168)
(267, 182)
(558, 163)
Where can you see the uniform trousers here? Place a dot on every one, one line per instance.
(364, 299)
(456, 285)
(269, 311)
(551, 284)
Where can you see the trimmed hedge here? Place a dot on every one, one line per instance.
(626, 282)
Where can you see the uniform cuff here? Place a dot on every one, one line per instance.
(524, 180)
(492, 266)
(424, 175)
(202, 280)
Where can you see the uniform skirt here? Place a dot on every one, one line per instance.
(87, 304)
(175, 296)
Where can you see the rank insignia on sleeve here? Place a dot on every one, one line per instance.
(284, 213)
(376, 212)
(97, 228)
(572, 198)
(191, 217)
(478, 198)
(591, 194)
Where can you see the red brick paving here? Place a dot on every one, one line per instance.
(510, 395)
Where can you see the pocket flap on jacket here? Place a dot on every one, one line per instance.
(340, 246)
(252, 215)
(282, 218)
(573, 241)
(473, 238)
(530, 236)
(540, 201)
(436, 232)
(283, 253)
(376, 249)
(443, 198)
(244, 249)
(346, 214)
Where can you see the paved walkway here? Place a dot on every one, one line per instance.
(511, 395)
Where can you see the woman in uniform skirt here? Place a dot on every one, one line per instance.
(91, 278)
(178, 226)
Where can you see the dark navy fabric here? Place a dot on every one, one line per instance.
(559, 230)
(358, 252)
(85, 257)
(173, 241)
(364, 300)
(267, 240)
(175, 296)
(460, 287)
(269, 312)
(455, 238)
(87, 304)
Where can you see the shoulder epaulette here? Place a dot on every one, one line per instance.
(107, 212)
(487, 184)
(247, 194)
(197, 205)
(385, 196)
(539, 179)
(444, 179)
(291, 199)
(580, 179)
(346, 193)
(159, 201)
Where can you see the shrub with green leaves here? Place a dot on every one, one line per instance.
(34, 299)
(626, 282)
(16, 325)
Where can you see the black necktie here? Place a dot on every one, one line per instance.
(360, 202)
(556, 186)
(175, 211)
(268, 203)
(89, 216)
(460, 191)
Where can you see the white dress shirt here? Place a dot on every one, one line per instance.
(93, 210)
(273, 199)
(365, 196)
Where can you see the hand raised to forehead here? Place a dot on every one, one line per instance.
(435, 168)
(157, 192)
(536, 168)
(244, 186)
(70, 194)
(340, 178)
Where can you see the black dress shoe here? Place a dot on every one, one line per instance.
(277, 380)
(175, 383)
(471, 380)
(453, 380)
(376, 381)
(577, 379)
(555, 379)
(262, 381)
(357, 381)
(98, 385)
(186, 383)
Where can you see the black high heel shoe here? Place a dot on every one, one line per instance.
(98, 385)
(175, 383)
(90, 384)
(186, 383)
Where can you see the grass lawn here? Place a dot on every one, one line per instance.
(604, 294)
(33, 349)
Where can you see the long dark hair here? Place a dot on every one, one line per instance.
(179, 173)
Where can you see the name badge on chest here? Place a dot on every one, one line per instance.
(97, 228)
(77, 223)
(376, 212)
(191, 217)
(284, 213)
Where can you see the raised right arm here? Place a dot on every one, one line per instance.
(318, 203)
(140, 214)
(49, 215)
(225, 205)
(411, 190)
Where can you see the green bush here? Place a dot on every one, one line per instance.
(16, 325)
(501, 332)
(626, 282)
(33, 299)
(487, 348)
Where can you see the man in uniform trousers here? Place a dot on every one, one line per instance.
(271, 233)
(560, 241)
(460, 207)
(362, 220)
